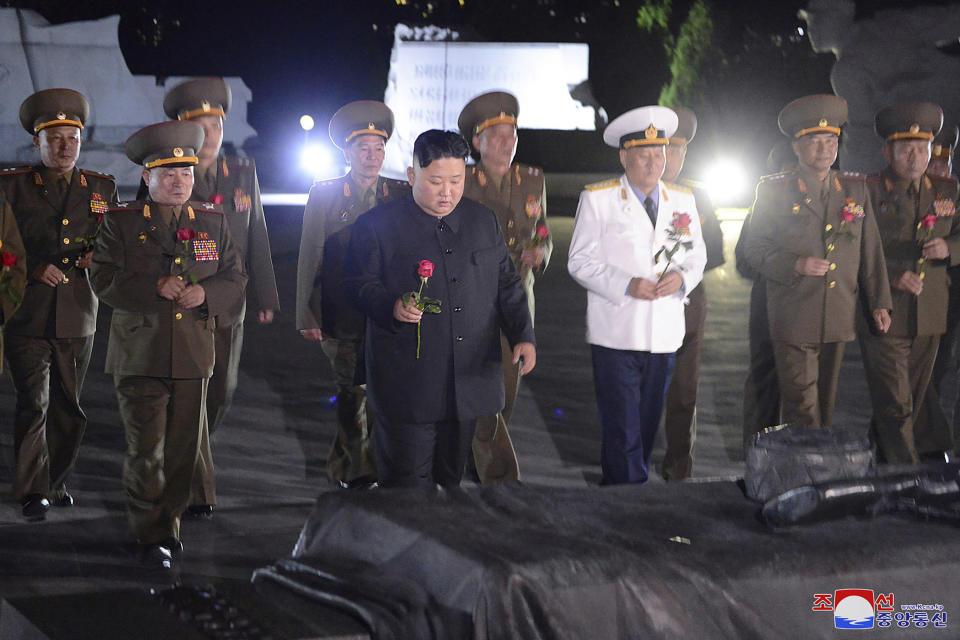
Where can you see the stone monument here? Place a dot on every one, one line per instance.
(86, 56)
(891, 57)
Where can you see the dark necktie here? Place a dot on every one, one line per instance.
(651, 210)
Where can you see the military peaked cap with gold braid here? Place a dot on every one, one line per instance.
(945, 142)
(488, 110)
(166, 144)
(361, 118)
(822, 113)
(686, 126)
(913, 121)
(54, 108)
(198, 97)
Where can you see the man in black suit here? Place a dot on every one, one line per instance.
(430, 376)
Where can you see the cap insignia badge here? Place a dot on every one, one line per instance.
(177, 152)
(61, 115)
(914, 128)
(205, 106)
(823, 122)
(371, 126)
(650, 133)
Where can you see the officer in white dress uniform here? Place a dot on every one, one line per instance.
(637, 249)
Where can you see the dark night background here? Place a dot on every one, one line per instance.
(312, 57)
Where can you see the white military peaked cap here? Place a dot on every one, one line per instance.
(642, 126)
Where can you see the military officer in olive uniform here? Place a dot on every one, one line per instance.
(169, 269)
(761, 390)
(361, 129)
(13, 267)
(680, 414)
(918, 221)
(232, 183)
(50, 338)
(814, 239)
(517, 194)
(932, 419)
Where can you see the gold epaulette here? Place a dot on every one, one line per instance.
(97, 174)
(855, 176)
(606, 184)
(693, 184)
(14, 171)
(673, 186)
(776, 177)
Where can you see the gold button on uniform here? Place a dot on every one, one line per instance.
(65, 260)
(66, 241)
(833, 266)
(66, 280)
(830, 247)
(833, 283)
(177, 259)
(178, 315)
(828, 227)
(512, 242)
(179, 277)
(510, 224)
(65, 222)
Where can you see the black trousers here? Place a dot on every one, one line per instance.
(421, 454)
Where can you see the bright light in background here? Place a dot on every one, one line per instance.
(726, 181)
(306, 122)
(317, 160)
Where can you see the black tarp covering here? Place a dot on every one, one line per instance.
(687, 560)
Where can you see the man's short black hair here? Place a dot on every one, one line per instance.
(435, 144)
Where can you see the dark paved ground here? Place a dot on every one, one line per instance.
(271, 451)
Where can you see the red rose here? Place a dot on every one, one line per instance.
(847, 214)
(217, 198)
(683, 220)
(7, 259)
(425, 269)
(542, 231)
(185, 234)
(928, 221)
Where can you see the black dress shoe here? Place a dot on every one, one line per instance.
(156, 557)
(35, 507)
(66, 500)
(364, 482)
(199, 512)
(174, 545)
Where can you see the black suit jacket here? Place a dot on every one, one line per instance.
(459, 373)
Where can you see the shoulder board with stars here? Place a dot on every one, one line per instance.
(776, 177)
(328, 184)
(529, 169)
(126, 206)
(606, 184)
(673, 186)
(13, 171)
(854, 176)
(205, 207)
(948, 179)
(872, 178)
(97, 174)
